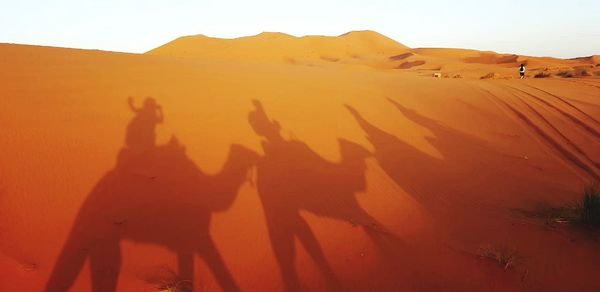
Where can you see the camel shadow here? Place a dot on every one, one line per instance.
(292, 177)
(464, 156)
(154, 194)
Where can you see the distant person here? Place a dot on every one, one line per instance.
(522, 71)
(141, 129)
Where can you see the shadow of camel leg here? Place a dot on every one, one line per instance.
(387, 242)
(185, 261)
(213, 259)
(105, 263)
(282, 243)
(67, 267)
(308, 239)
(371, 225)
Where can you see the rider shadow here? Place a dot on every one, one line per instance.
(292, 177)
(464, 156)
(154, 194)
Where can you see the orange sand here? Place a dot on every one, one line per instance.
(307, 163)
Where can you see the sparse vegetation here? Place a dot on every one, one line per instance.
(505, 257)
(582, 73)
(596, 73)
(565, 74)
(577, 72)
(585, 212)
(166, 280)
(176, 286)
(553, 216)
(489, 76)
(588, 208)
(541, 75)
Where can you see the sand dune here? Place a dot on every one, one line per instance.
(366, 49)
(279, 47)
(334, 171)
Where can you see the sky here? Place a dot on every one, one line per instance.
(529, 27)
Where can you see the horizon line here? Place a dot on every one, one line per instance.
(57, 46)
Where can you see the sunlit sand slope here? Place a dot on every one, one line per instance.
(267, 175)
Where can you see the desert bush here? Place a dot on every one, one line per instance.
(588, 208)
(182, 286)
(565, 74)
(584, 212)
(167, 280)
(489, 76)
(506, 258)
(541, 75)
(582, 73)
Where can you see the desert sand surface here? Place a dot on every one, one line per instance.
(278, 163)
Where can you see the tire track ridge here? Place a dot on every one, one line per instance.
(569, 116)
(567, 103)
(560, 134)
(564, 153)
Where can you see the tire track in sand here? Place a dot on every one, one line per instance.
(592, 84)
(568, 141)
(569, 116)
(563, 100)
(565, 154)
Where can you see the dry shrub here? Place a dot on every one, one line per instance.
(565, 74)
(588, 208)
(541, 75)
(166, 280)
(585, 212)
(505, 257)
(176, 286)
(490, 75)
(582, 73)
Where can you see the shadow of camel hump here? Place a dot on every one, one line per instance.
(155, 194)
(292, 177)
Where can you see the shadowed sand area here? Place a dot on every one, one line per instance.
(276, 163)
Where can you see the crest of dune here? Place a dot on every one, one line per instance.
(270, 46)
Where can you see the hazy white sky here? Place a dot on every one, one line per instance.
(558, 28)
